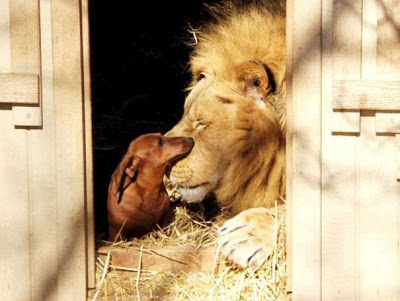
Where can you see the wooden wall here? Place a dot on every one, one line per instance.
(45, 151)
(344, 149)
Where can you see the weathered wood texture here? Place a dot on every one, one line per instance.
(44, 185)
(90, 234)
(304, 150)
(164, 259)
(19, 88)
(360, 150)
(366, 95)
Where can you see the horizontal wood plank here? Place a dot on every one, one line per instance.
(387, 123)
(19, 88)
(366, 95)
(171, 259)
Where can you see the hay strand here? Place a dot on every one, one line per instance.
(266, 281)
(103, 276)
(139, 269)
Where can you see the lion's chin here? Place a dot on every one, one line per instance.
(193, 195)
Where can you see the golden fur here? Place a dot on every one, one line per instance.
(235, 110)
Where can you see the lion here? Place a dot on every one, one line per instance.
(235, 112)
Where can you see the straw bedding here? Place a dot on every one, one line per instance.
(190, 228)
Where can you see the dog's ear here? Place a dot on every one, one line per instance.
(125, 174)
(130, 171)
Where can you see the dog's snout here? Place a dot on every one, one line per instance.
(189, 140)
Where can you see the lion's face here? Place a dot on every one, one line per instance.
(228, 113)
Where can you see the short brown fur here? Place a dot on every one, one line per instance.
(137, 199)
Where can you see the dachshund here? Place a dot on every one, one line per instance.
(137, 199)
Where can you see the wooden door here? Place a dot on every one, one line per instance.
(360, 150)
(45, 151)
(345, 63)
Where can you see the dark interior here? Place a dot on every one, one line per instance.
(139, 66)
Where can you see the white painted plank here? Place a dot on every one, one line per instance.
(344, 122)
(346, 30)
(397, 158)
(347, 39)
(5, 46)
(388, 54)
(369, 39)
(14, 202)
(70, 192)
(25, 48)
(378, 214)
(388, 68)
(306, 185)
(338, 153)
(42, 174)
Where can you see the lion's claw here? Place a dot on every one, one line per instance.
(248, 238)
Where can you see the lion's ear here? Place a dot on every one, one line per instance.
(256, 76)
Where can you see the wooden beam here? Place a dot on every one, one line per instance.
(366, 95)
(19, 88)
(172, 259)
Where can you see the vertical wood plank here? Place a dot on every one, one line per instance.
(25, 48)
(338, 152)
(68, 94)
(25, 58)
(42, 175)
(386, 282)
(306, 185)
(397, 160)
(377, 173)
(369, 39)
(289, 145)
(378, 214)
(346, 38)
(15, 281)
(388, 54)
(90, 235)
(5, 47)
(25, 51)
(346, 47)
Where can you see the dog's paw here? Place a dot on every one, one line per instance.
(248, 238)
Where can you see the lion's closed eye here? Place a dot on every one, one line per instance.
(199, 125)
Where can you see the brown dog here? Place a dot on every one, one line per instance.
(137, 199)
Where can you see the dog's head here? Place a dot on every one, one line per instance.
(150, 153)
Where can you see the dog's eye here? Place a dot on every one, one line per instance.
(161, 142)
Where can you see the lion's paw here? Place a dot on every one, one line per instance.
(248, 238)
